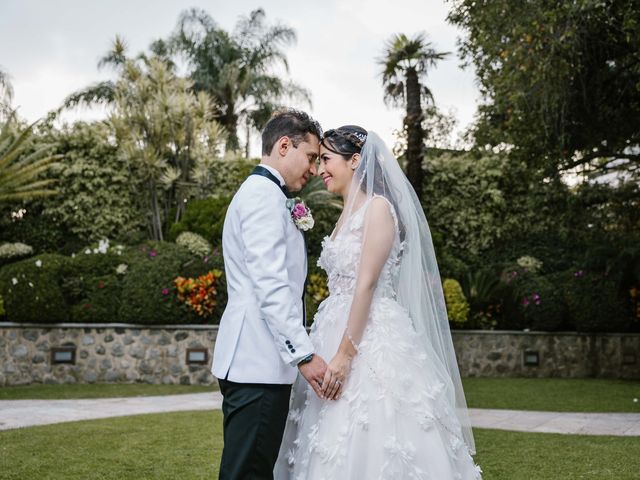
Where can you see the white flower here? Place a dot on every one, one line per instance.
(103, 246)
(305, 223)
(95, 250)
(88, 251)
(38, 263)
(73, 255)
(14, 281)
(635, 400)
(31, 284)
(121, 269)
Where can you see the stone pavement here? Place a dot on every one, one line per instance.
(27, 413)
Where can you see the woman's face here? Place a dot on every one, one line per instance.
(336, 172)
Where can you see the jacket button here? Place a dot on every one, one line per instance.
(293, 350)
(288, 342)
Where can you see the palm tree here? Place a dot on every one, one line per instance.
(20, 167)
(404, 66)
(238, 70)
(6, 94)
(101, 93)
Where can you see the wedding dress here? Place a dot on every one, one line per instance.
(394, 419)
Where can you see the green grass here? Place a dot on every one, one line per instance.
(553, 394)
(544, 394)
(187, 445)
(98, 390)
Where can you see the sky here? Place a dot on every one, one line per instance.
(51, 49)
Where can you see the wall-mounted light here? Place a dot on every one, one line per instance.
(197, 356)
(63, 355)
(531, 358)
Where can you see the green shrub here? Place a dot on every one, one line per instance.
(204, 217)
(195, 243)
(148, 294)
(32, 289)
(2, 312)
(533, 301)
(10, 252)
(595, 303)
(457, 305)
(92, 286)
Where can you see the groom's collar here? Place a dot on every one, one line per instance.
(275, 172)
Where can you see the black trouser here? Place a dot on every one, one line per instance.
(254, 418)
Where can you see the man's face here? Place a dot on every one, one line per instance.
(300, 162)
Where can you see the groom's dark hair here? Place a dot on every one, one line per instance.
(291, 123)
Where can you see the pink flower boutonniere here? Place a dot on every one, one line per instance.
(300, 214)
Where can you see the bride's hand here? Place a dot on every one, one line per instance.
(336, 375)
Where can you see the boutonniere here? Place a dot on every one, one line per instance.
(300, 214)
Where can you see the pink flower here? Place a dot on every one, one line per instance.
(525, 302)
(100, 284)
(165, 291)
(579, 273)
(536, 299)
(299, 211)
(153, 253)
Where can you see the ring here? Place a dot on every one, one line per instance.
(338, 382)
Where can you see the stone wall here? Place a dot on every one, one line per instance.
(501, 354)
(157, 354)
(104, 353)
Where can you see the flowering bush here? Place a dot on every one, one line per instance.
(457, 305)
(534, 301)
(198, 293)
(195, 243)
(14, 251)
(32, 289)
(529, 263)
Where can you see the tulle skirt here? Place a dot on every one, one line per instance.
(393, 420)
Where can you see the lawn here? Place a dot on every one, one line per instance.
(187, 445)
(545, 394)
(98, 390)
(554, 394)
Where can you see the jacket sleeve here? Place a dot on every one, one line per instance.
(263, 226)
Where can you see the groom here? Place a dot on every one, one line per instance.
(262, 342)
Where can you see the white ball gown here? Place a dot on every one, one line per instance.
(392, 421)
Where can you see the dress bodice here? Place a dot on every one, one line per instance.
(340, 257)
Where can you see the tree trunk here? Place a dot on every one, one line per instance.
(247, 127)
(415, 135)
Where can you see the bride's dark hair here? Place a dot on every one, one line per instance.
(345, 141)
(348, 140)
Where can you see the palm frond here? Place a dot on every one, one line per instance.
(101, 93)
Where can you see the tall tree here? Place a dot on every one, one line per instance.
(240, 70)
(405, 64)
(168, 136)
(560, 80)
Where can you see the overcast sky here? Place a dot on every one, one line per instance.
(51, 48)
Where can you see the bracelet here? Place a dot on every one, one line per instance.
(351, 340)
(306, 359)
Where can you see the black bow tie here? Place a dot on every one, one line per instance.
(263, 172)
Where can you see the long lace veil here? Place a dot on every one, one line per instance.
(419, 288)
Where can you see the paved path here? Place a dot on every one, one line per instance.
(27, 413)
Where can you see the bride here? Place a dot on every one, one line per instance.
(393, 405)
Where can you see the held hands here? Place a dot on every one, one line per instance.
(336, 375)
(314, 372)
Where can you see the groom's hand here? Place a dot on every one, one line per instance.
(313, 372)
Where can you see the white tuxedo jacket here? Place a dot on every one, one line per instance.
(261, 336)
